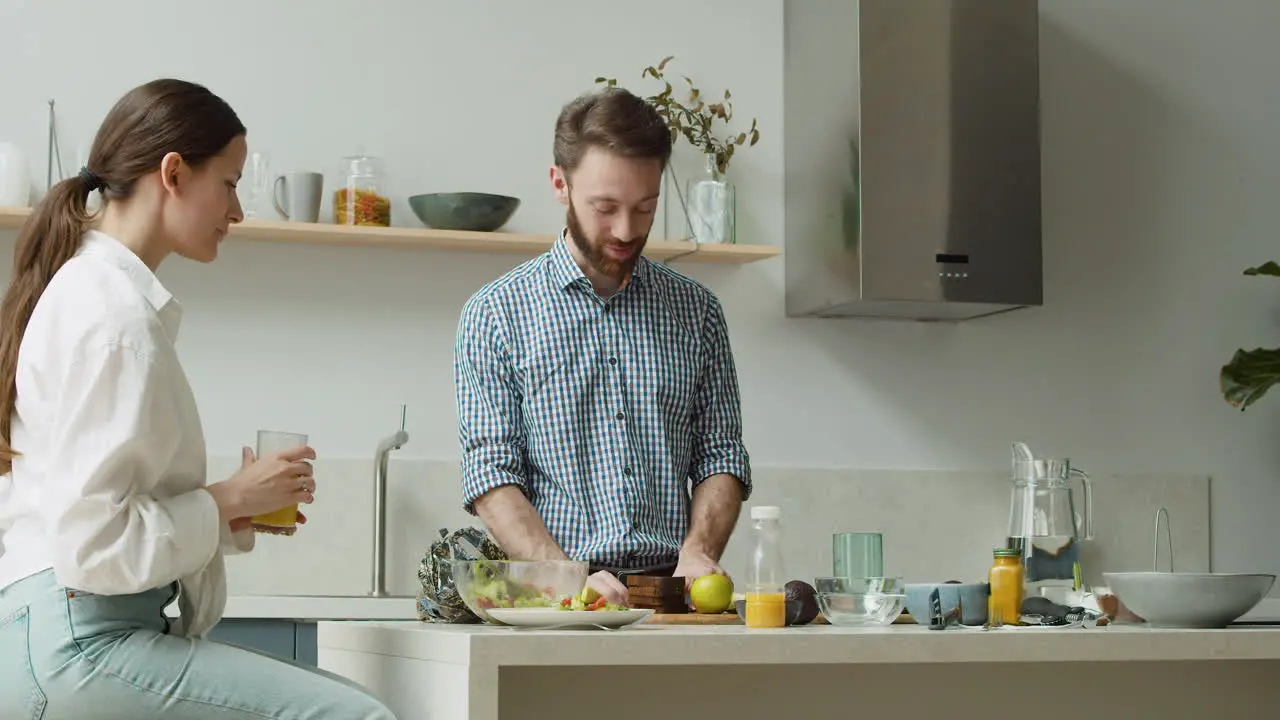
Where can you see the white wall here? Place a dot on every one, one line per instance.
(1160, 149)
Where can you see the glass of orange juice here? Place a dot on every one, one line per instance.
(285, 520)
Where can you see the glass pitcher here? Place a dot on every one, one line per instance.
(1046, 524)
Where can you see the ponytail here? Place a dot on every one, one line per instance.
(147, 123)
(49, 238)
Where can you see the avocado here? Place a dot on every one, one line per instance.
(804, 599)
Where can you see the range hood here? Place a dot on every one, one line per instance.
(912, 151)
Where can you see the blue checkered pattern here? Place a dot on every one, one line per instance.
(605, 412)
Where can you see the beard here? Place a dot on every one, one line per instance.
(593, 249)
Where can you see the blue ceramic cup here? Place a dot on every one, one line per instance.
(971, 598)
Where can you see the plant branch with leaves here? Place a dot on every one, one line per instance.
(1251, 373)
(695, 118)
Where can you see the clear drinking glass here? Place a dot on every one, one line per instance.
(253, 186)
(857, 555)
(285, 520)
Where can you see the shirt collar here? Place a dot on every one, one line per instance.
(565, 270)
(101, 245)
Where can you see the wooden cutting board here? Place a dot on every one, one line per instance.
(693, 618)
(731, 618)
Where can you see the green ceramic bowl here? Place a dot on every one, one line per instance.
(482, 212)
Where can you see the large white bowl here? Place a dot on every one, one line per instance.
(1189, 600)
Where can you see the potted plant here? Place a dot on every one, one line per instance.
(1251, 373)
(710, 200)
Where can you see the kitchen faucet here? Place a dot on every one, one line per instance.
(392, 442)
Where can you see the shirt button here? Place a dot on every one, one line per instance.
(619, 415)
(626, 471)
(613, 361)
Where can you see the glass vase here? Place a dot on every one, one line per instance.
(712, 205)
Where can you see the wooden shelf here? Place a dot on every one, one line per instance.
(449, 240)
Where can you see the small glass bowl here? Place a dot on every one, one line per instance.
(861, 602)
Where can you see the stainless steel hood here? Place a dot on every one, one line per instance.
(912, 150)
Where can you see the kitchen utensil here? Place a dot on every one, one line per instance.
(860, 601)
(300, 201)
(15, 178)
(1044, 525)
(857, 555)
(487, 584)
(285, 520)
(1187, 600)
(362, 199)
(481, 212)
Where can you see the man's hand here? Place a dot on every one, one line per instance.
(695, 563)
(608, 585)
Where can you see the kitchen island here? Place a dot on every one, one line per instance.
(285, 625)
(469, 672)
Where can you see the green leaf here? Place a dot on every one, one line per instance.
(663, 65)
(755, 137)
(726, 93)
(1249, 375)
(601, 79)
(1267, 268)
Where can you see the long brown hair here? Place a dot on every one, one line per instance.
(150, 121)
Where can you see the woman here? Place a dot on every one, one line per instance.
(105, 515)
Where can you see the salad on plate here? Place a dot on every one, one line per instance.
(491, 589)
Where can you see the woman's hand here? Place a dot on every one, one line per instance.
(264, 485)
(245, 523)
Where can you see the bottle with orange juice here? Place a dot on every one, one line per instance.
(766, 605)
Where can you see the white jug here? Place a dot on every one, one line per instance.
(15, 177)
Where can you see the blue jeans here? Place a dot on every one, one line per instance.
(68, 654)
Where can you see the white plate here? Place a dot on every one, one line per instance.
(548, 617)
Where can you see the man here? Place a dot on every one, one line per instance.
(597, 396)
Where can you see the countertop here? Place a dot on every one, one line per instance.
(810, 645)
(315, 607)
(350, 607)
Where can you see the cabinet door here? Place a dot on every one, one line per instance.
(304, 648)
(276, 637)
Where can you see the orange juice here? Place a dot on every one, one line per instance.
(766, 610)
(285, 520)
(281, 522)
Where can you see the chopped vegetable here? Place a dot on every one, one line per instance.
(490, 589)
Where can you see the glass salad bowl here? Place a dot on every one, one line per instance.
(485, 584)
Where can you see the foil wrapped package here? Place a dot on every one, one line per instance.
(438, 600)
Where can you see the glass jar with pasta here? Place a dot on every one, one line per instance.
(362, 197)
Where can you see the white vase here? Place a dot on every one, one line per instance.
(15, 176)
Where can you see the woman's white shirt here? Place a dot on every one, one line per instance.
(108, 487)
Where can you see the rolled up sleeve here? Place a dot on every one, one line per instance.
(115, 431)
(718, 447)
(488, 402)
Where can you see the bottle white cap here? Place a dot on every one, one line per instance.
(766, 512)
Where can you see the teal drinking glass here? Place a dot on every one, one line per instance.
(857, 555)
